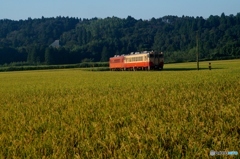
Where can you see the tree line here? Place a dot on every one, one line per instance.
(98, 39)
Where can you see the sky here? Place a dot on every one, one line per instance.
(139, 9)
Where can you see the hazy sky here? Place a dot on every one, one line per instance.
(139, 9)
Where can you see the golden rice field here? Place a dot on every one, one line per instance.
(175, 113)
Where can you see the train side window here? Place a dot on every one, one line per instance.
(117, 61)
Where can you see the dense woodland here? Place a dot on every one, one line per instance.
(28, 41)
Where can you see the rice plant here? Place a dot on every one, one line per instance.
(175, 113)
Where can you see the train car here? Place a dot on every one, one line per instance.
(146, 60)
(116, 63)
(156, 60)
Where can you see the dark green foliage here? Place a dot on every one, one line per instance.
(9, 54)
(87, 66)
(98, 39)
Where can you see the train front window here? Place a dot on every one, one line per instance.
(156, 55)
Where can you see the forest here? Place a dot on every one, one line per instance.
(94, 40)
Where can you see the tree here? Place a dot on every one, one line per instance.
(104, 55)
(50, 56)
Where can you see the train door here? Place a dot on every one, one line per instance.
(154, 60)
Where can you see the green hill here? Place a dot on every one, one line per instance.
(98, 39)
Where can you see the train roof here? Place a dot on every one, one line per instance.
(135, 53)
(118, 56)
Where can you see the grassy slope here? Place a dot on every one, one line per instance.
(178, 112)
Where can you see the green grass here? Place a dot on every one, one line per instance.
(21, 66)
(175, 113)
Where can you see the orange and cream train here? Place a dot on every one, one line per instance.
(146, 60)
